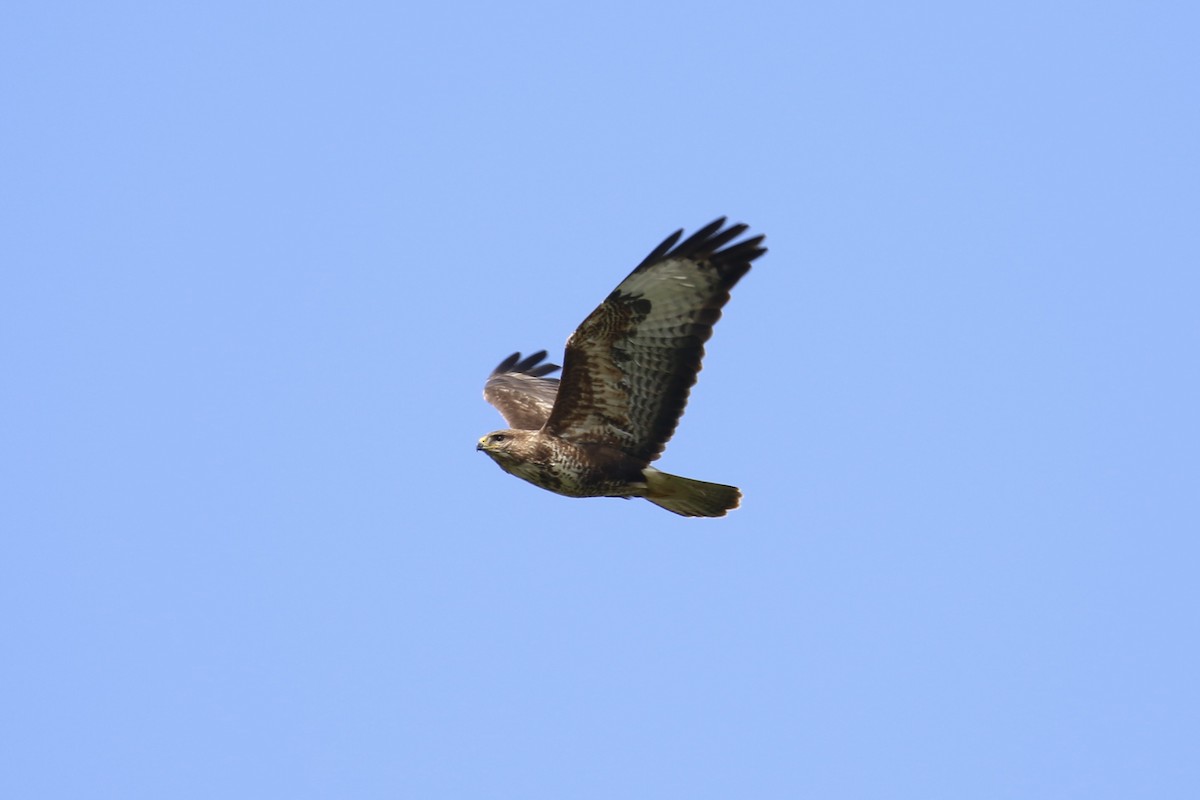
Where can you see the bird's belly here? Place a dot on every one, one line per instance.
(572, 482)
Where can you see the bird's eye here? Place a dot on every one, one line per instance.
(498, 437)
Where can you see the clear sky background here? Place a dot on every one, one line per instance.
(258, 258)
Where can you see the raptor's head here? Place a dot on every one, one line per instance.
(503, 446)
(515, 452)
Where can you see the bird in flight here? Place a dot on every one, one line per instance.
(626, 375)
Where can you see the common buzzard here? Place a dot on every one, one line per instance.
(625, 381)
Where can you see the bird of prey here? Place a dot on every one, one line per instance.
(626, 375)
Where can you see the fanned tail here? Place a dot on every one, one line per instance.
(690, 498)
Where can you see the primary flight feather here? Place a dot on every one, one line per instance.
(626, 375)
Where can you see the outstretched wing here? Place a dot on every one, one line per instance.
(631, 364)
(516, 387)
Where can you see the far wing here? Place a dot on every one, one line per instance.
(518, 390)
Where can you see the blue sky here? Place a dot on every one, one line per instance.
(259, 258)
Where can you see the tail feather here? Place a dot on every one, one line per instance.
(690, 498)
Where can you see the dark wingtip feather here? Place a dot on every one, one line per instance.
(506, 364)
(731, 262)
(707, 243)
(527, 366)
(663, 248)
(709, 238)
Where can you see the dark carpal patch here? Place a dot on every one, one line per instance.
(642, 307)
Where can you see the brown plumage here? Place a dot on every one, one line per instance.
(627, 373)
